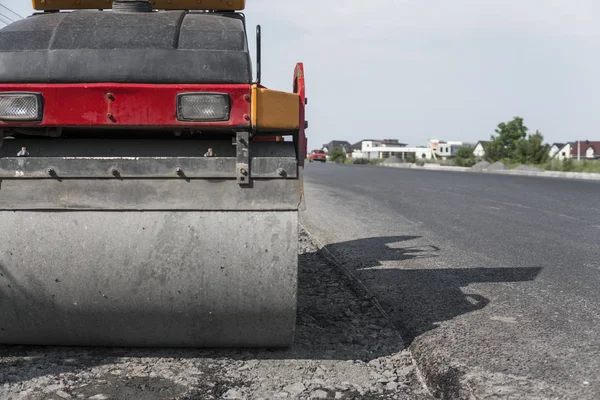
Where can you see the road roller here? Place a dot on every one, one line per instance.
(150, 185)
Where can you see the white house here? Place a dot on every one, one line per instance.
(382, 152)
(479, 150)
(361, 149)
(564, 152)
(367, 145)
(444, 149)
(555, 148)
(364, 148)
(590, 152)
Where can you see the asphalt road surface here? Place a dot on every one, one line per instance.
(493, 281)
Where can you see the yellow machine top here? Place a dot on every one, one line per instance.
(216, 5)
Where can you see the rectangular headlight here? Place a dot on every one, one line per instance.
(20, 106)
(203, 107)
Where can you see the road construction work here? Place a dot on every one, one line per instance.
(119, 226)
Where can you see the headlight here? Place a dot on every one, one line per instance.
(203, 107)
(20, 106)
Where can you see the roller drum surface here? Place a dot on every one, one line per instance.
(154, 278)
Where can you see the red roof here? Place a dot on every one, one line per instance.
(585, 145)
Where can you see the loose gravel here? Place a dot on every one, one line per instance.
(344, 349)
(481, 166)
(528, 168)
(498, 166)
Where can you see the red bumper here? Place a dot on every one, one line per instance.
(127, 105)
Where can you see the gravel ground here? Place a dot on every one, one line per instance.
(481, 166)
(344, 350)
(528, 168)
(497, 166)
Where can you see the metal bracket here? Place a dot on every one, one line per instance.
(242, 170)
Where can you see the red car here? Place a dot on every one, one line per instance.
(317, 155)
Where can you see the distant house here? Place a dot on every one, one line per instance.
(402, 152)
(434, 145)
(585, 149)
(363, 149)
(445, 149)
(479, 149)
(391, 142)
(376, 142)
(335, 144)
(359, 146)
(555, 148)
(564, 152)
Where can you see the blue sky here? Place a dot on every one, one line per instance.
(422, 69)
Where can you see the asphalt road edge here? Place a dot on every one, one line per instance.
(428, 372)
(541, 174)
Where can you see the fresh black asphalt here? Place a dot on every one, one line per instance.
(493, 280)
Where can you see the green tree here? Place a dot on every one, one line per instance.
(532, 150)
(338, 155)
(505, 144)
(567, 165)
(465, 157)
(465, 153)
